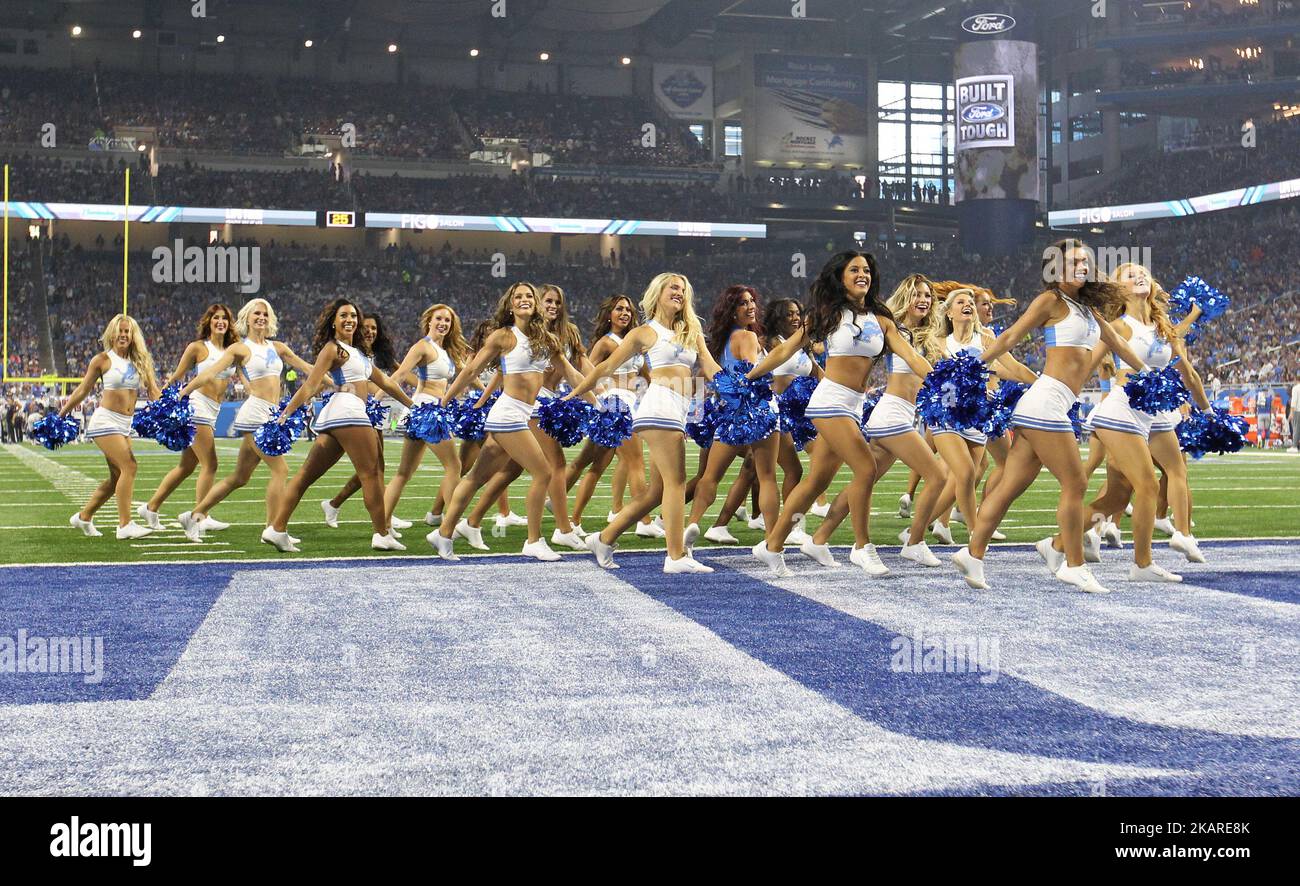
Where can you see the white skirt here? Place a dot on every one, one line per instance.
(1045, 406)
(661, 408)
(890, 417)
(508, 415)
(537, 404)
(627, 399)
(1115, 413)
(203, 410)
(418, 400)
(833, 400)
(1166, 421)
(252, 414)
(343, 410)
(105, 422)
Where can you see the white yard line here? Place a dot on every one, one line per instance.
(68, 482)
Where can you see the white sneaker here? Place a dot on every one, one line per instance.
(611, 516)
(579, 531)
(1082, 578)
(280, 540)
(774, 562)
(698, 567)
(87, 527)
(757, 523)
(742, 514)
(499, 526)
(331, 514)
(721, 535)
(133, 530)
(1186, 545)
(513, 519)
(998, 536)
(821, 554)
(604, 553)
(653, 529)
(943, 533)
(820, 510)
(905, 506)
(445, 547)
(211, 525)
(798, 534)
(971, 569)
(1165, 525)
(919, 553)
(193, 528)
(684, 565)
(1051, 556)
(293, 540)
(150, 518)
(540, 550)
(1091, 547)
(1128, 510)
(394, 533)
(955, 517)
(470, 534)
(432, 519)
(399, 523)
(1110, 532)
(1152, 573)
(690, 535)
(868, 560)
(385, 543)
(569, 540)
(658, 523)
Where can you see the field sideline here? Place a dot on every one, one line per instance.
(1245, 495)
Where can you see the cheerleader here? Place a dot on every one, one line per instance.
(261, 361)
(857, 328)
(1125, 430)
(616, 316)
(526, 350)
(123, 367)
(215, 334)
(892, 432)
(342, 426)
(998, 447)
(557, 325)
(734, 337)
(384, 357)
(1068, 312)
(673, 343)
(435, 360)
(1109, 529)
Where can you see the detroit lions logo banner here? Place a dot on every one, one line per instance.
(684, 91)
(810, 110)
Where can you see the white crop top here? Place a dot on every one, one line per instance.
(520, 358)
(895, 364)
(974, 347)
(666, 352)
(799, 364)
(858, 335)
(633, 364)
(355, 369)
(440, 369)
(264, 362)
(121, 374)
(1146, 344)
(214, 354)
(1079, 329)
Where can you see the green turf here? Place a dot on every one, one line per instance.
(1249, 494)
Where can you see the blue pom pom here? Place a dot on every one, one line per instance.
(954, 395)
(377, 412)
(701, 432)
(1156, 390)
(1195, 291)
(1215, 431)
(274, 438)
(564, 420)
(610, 426)
(470, 422)
(1001, 407)
(1076, 420)
(53, 431)
(868, 406)
(746, 424)
(794, 403)
(169, 419)
(297, 421)
(432, 422)
(737, 391)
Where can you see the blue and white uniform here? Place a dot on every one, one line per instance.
(1046, 405)
(730, 361)
(508, 414)
(857, 335)
(264, 362)
(121, 376)
(203, 409)
(1115, 413)
(662, 408)
(798, 365)
(440, 368)
(347, 408)
(627, 397)
(952, 347)
(892, 415)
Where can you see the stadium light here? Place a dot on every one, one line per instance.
(626, 60)
(76, 30)
(136, 34)
(221, 38)
(545, 56)
(392, 47)
(307, 44)
(473, 53)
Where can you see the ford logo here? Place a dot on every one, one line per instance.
(988, 23)
(982, 112)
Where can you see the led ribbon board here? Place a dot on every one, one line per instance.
(1101, 215)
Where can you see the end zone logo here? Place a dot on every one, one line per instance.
(988, 23)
